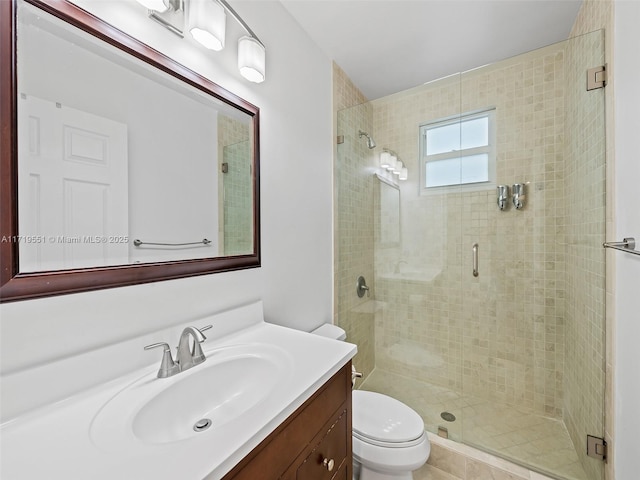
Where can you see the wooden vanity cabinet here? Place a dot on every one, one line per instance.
(313, 443)
(327, 457)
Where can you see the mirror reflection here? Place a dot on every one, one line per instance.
(389, 213)
(120, 163)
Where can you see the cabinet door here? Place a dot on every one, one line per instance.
(326, 460)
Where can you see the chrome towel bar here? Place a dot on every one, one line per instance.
(137, 242)
(627, 245)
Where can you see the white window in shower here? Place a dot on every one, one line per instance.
(458, 151)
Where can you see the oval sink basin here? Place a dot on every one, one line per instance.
(154, 410)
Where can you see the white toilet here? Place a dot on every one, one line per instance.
(389, 440)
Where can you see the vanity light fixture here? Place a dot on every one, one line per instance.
(393, 160)
(389, 161)
(251, 59)
(207, 25)
(385, 158)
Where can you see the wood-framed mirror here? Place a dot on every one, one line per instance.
(119, 166)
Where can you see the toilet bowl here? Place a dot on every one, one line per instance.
(389, 440)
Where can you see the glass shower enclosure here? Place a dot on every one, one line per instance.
(487, 312)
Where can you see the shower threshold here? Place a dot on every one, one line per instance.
(525, 438)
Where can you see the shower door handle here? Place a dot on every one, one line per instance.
(474, 253)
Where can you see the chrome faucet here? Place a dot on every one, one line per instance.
(186, 357)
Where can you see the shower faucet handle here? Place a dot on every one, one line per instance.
(361, 287)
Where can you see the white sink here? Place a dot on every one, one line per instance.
(233, 380)
(139, 426)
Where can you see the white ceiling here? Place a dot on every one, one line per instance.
(386, 46)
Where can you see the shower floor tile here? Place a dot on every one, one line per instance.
(539, 442)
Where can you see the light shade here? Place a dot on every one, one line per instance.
(251, 59)
(385, 158)
(397, 168)
(404, 174)
(207, 23)
(155, 5)
(393, 159)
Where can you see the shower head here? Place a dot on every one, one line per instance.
(370, 142)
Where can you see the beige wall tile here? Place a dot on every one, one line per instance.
(500, 335)
(429, 472)
(353, 220)
(481, 471)
(447, 460)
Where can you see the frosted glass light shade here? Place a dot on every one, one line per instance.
(385, 158)
(404, 174)
(208, 23)
(251, 59)
(397, 167)
(392, 162)
(155, 5)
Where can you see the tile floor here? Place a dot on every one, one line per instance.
(524, 438)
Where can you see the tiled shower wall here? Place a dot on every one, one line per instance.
(238, 199)
(500, 335)
(353, 219)
(235, 187)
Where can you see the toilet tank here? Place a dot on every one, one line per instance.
(330, 331)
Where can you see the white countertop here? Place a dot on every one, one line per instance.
(56, 441)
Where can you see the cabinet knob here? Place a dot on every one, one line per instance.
(328, 464)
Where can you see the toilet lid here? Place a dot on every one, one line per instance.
(384, 419)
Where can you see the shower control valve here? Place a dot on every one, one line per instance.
(361, 287)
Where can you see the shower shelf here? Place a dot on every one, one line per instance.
(627, 245)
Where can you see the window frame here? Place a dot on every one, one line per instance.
(489, 149)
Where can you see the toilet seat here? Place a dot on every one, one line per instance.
(379, 443)
(391, 460)
(384, 421)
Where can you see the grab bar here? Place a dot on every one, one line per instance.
(137, 242)
(627, 245)
(474, 253)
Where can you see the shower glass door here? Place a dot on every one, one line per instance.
(511, 360)
(533, 318)
(418, 353)
(354, 234)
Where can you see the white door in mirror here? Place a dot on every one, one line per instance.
(73, 191)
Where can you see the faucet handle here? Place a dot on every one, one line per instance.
(196, 352)
(167, 366)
